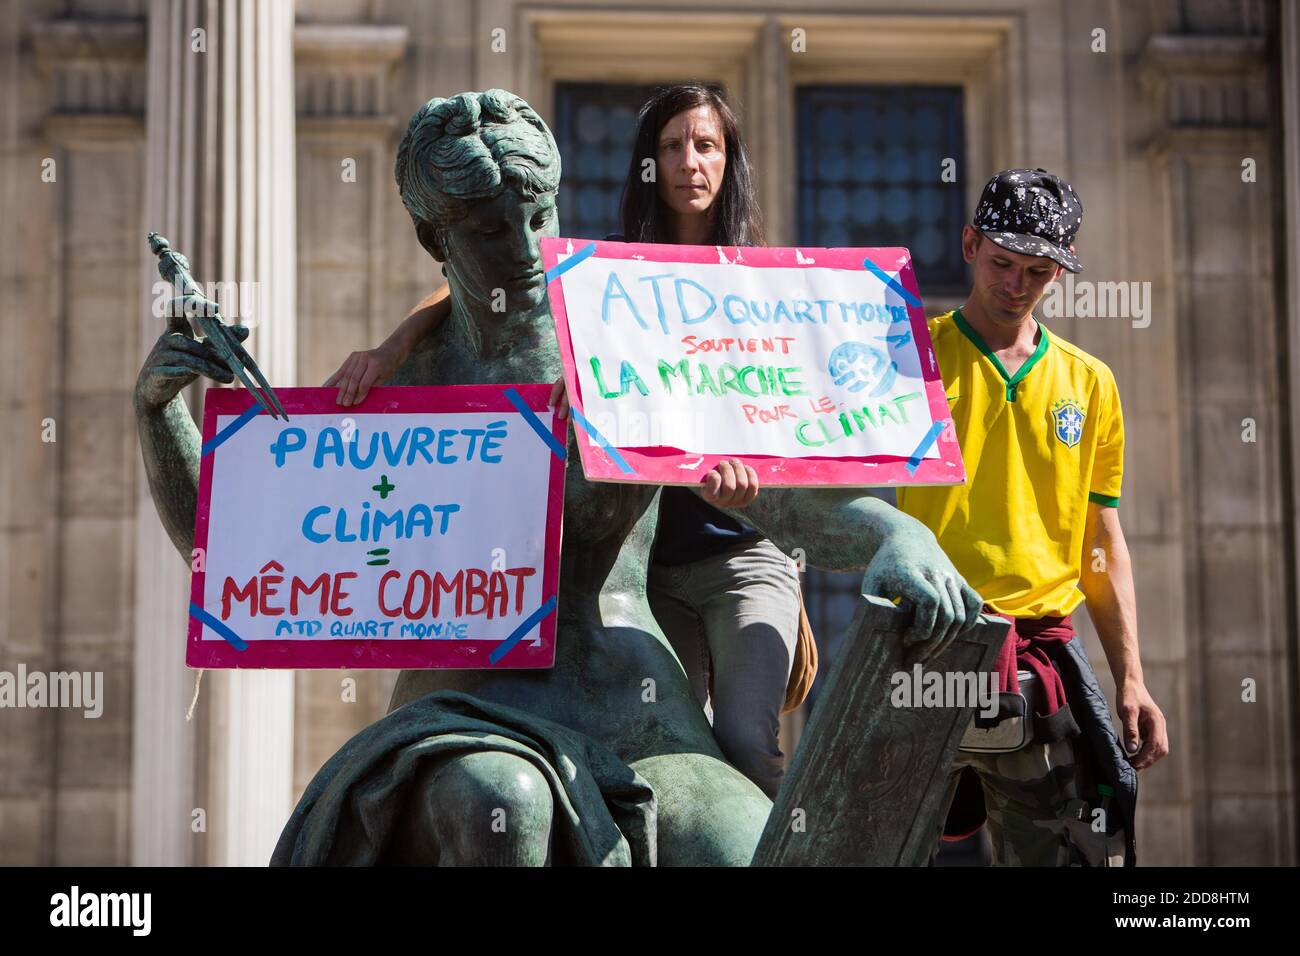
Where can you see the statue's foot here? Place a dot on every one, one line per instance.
(710, 814)
(484, 808)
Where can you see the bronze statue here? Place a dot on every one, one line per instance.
(607, 757)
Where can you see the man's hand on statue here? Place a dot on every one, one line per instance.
(1146, 739)
(559, 399)
(910, 566)
(361, 371)
(731, 484)
(178, 359)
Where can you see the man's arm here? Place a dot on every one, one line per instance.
(1106, 580)
(361, 371)
(428, 314)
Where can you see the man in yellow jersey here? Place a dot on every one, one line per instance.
(1036, 531)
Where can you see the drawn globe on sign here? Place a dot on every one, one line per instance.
(857, 366)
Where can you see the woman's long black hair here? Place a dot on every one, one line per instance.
(737, 220)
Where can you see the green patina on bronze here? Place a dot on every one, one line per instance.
(479, 173)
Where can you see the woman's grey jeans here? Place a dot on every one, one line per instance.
(735, 617)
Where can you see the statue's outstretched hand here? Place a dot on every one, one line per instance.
(910, 565)
(178, 359)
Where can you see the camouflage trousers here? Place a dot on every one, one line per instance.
(1037, 812)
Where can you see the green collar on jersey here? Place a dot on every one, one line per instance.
(1011, 380)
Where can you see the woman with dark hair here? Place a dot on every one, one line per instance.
(727, 599)
(722, 212)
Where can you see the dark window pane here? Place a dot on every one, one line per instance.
(594, 124)
(883, 146)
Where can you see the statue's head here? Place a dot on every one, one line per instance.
(478, 173)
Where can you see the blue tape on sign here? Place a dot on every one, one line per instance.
(561, 268)
(931, 436)
(220, 437)
(203, 617)
(890, 281)
(518, 633)
(599, 439)
(536, 423)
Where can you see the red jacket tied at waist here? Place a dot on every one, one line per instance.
(1024, 650)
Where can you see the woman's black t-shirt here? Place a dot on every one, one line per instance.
(690, 529)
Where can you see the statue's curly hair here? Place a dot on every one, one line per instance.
(470, 147)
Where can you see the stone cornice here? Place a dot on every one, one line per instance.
(341, 70)
(349, 45)
(91, 131)
(1172, 54)
(1206, 81)
(63, 42)
(94, 67)
(98, 68)
(1211, 143)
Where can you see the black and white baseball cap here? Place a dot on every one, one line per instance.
(1031, 212)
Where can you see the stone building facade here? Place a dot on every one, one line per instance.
(266, 156)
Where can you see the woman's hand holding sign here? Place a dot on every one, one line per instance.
(559, 399)
(731, 484)
(361, 371)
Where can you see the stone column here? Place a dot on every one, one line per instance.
(220, 185)
(163, 745)
(352, 238)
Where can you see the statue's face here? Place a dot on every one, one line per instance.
(498, 246)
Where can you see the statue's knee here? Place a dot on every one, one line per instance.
(497, 791)
(489, 807)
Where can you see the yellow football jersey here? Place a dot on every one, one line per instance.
(1038, 446)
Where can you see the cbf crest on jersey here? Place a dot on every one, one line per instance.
(1069, 415)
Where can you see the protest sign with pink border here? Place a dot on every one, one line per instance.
(814, 366)
(419, 528)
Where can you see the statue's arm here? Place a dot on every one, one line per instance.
(836, 530)
(843, 530)
(170, 442)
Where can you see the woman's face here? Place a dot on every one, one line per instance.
(691, 161)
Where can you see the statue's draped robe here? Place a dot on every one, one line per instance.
(350, 814)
